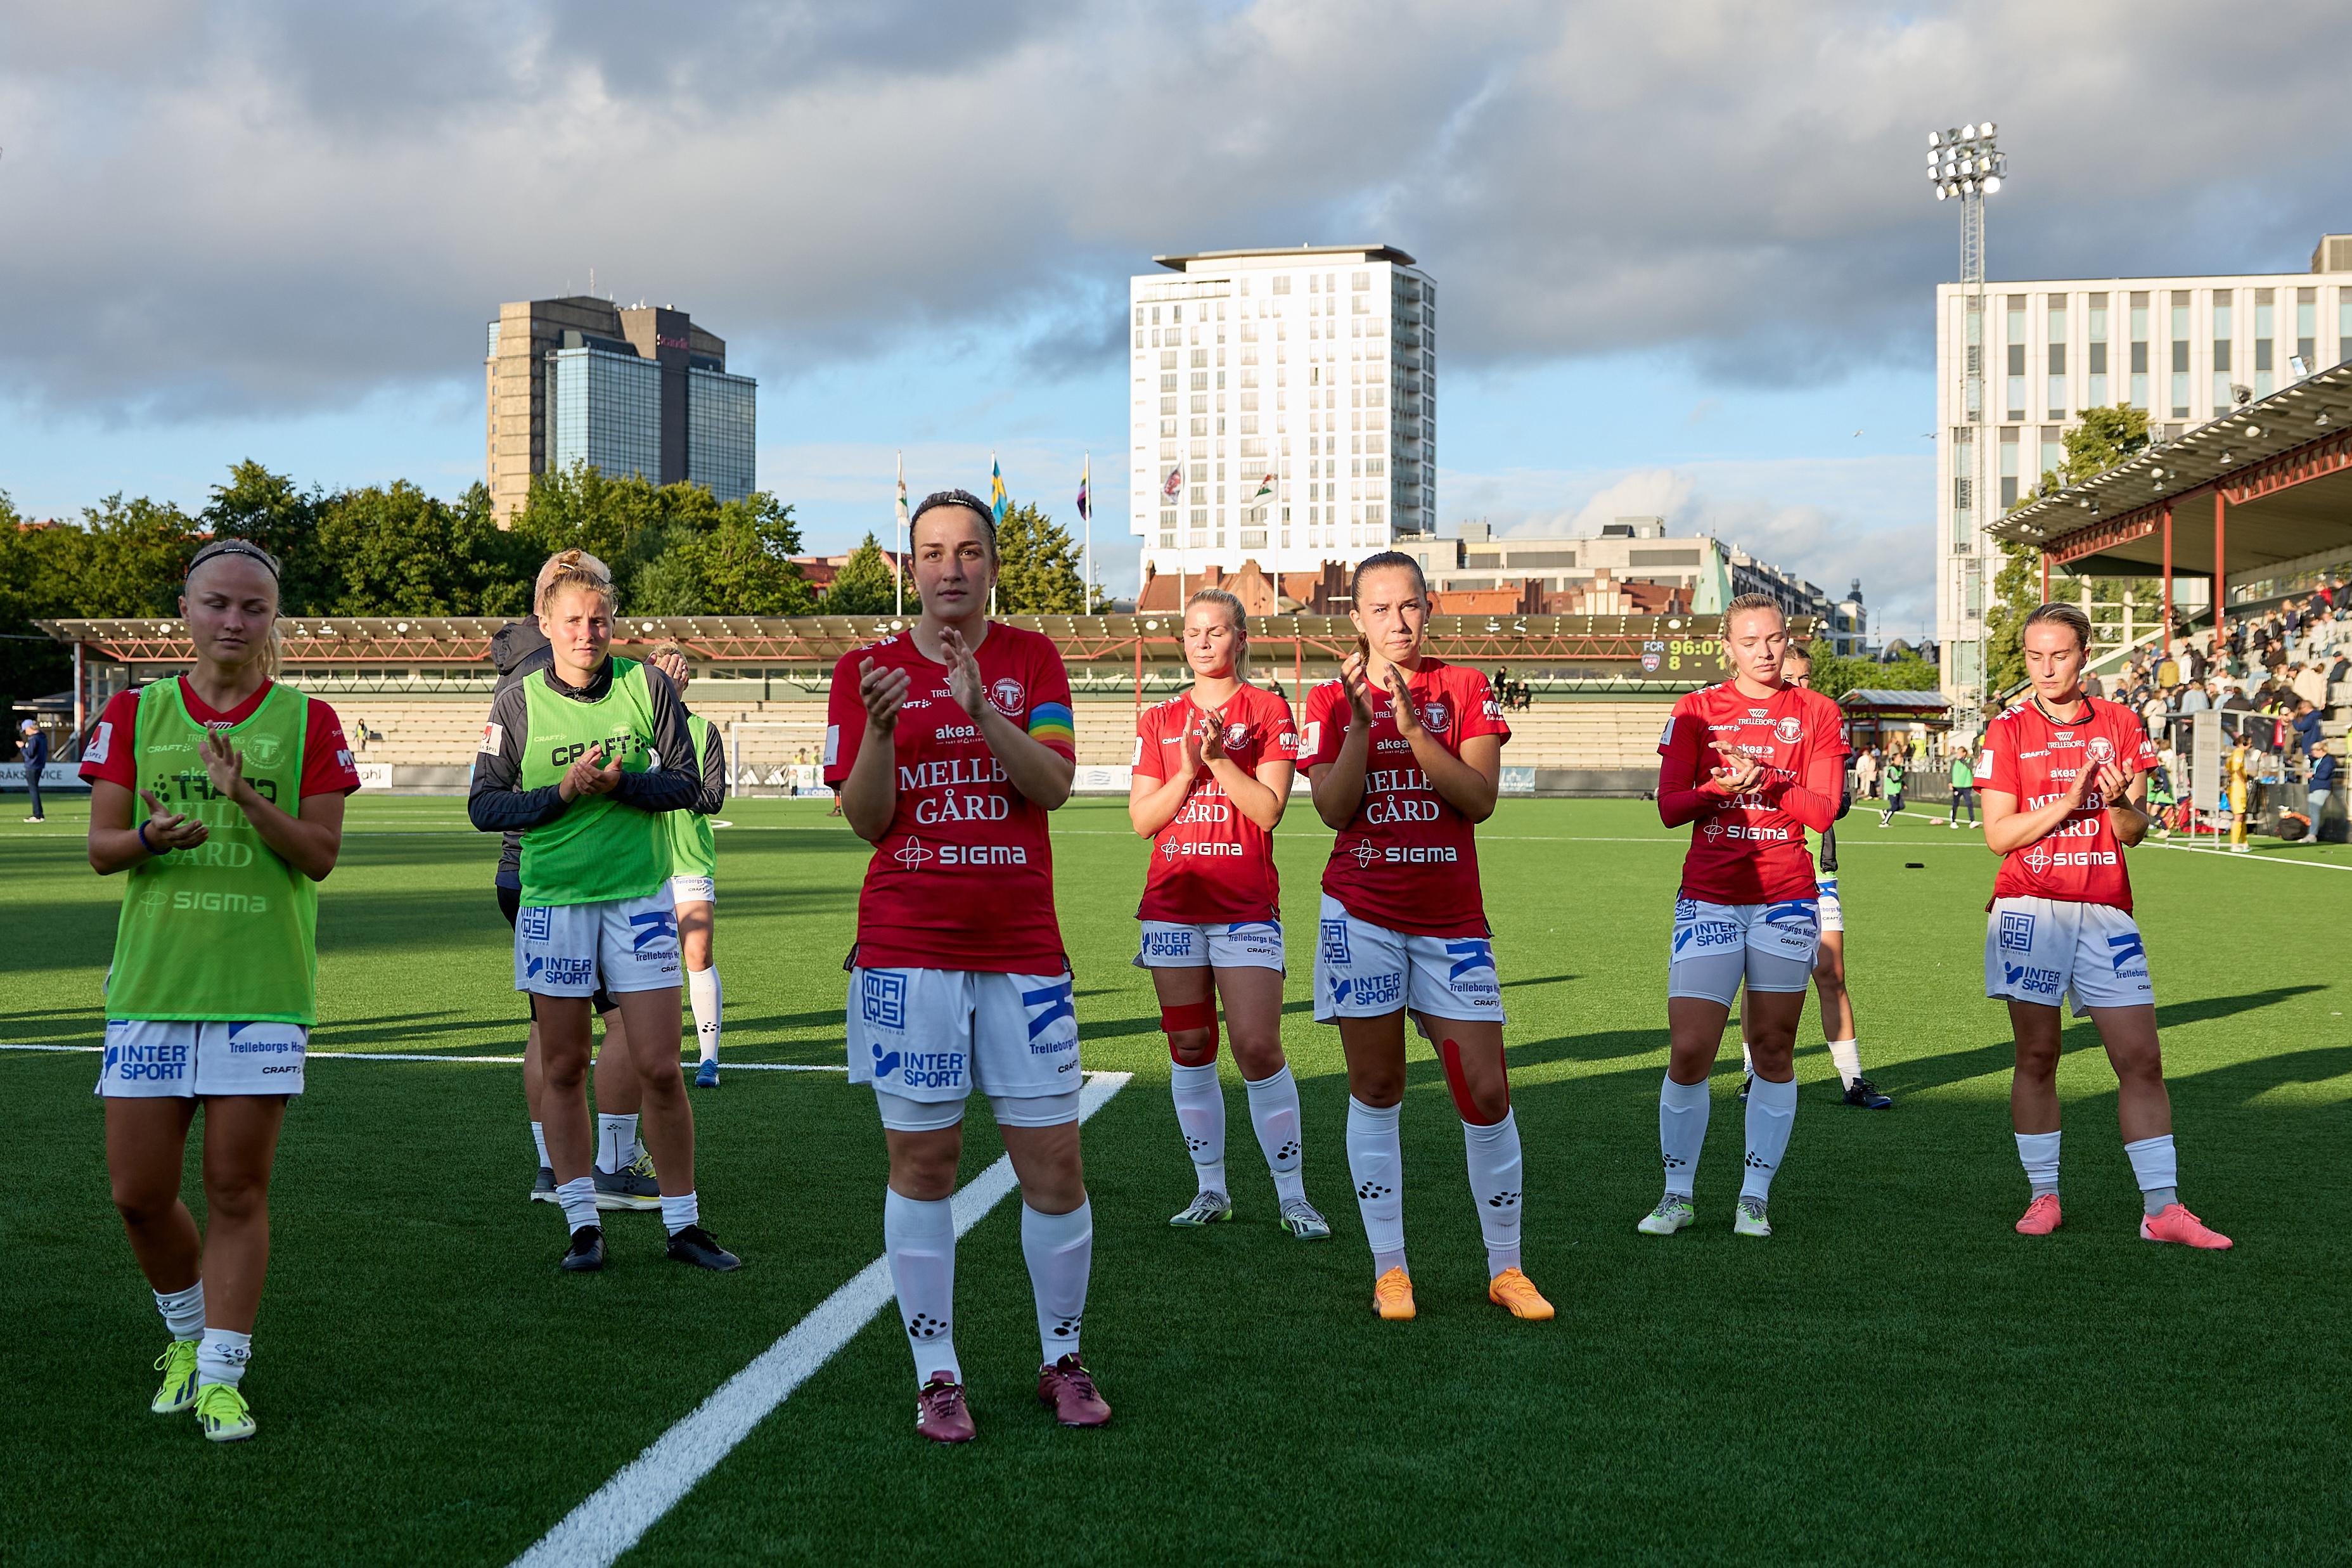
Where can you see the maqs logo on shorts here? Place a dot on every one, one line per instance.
(1333, 944)
(535, 922)
(653, 926)
(2124, 948)
(2041, 982)
(2016, 932)
(882, 998)
(1168, 944)
(1685, 909)
(1048, 1005)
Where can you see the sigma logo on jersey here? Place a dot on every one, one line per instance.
(882, 998)
(1008, 697)
(2040, 982)
(2041, 858)
(914, 855)
(1740, 831)
(2017, 932)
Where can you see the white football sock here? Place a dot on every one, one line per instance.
(1771, 1112)
(679, 1212)
(184, 1311)
(1201, 1117)
(2038, 1151)
(539, 1141)
(1492, 1153)
(578, 1198)
(222, 1356)
(1060, 1248)
(1274, 1112)
(1847, 1057)
(702, 991)
(2157, 1168)
(1682, 1131)
(617, 1143)
(918, 1236)
(1376, 1165)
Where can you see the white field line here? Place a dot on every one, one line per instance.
(617, 1514)
(2164, 844)
(501, 1061)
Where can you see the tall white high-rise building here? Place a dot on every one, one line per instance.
(2178, 348)
(1283, 409)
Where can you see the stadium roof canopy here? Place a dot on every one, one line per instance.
(1877, 701)
(345, 641)
(2262, 491)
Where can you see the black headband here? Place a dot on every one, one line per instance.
(219, 547)
(953, 498)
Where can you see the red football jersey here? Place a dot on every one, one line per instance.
(2033, 759)
(964, 878)
(1751, 850)
(327, 766)
(1210, 862)
(1407, 861)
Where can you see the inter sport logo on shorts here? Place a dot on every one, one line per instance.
(882, 997)
(2017, 933)
(2042, 982)
(885, 1062)
(1168, 944)
(535, 922)
(1334, 943)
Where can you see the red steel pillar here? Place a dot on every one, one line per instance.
(2167, 584)
(2219, 556)
(2045, 577)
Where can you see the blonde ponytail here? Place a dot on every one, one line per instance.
(572, 569)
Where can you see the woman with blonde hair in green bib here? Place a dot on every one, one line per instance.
(212, 989)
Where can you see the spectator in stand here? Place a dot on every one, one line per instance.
(35, 750)
(2153, 714)
(1964, 786)
(2306, 728)
(2093, 687)
(2194, 663)
(2321, 785)
(2194, 698)
(2307, 682)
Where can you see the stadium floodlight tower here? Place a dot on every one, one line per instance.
(1967, 165)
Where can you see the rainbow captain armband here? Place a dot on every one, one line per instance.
(1051, 722)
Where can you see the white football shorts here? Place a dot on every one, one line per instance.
(2041, 950)
(1832, 913)
(157, 1058)
(1365, 971)
(933, 1036)
(1719, 947)
(694, 889)
(1220, 945)
(623, 945)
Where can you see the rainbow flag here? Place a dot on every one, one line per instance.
(1086, 502)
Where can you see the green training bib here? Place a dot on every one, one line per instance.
(599, 850)
(227, 930)
(693, 849)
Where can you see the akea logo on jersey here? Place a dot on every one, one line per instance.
(2017, 932)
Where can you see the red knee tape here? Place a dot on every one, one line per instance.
(1451, 1055)
(1184, 1019)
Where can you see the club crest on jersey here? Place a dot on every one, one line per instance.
(2100, 749)
(263, 749)
(1007, 695)
(1433, 715)
(1235, 736)
(1788, 730)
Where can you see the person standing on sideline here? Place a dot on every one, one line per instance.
(209, 1006)
(2237, 772)
(2322, 784)
(2063, 778)
(1213, 771)
(694, 868)
(1749, 764)
(582, 759)
(1405, 757)
(1964, 785)
(35, 750)
(949, 743)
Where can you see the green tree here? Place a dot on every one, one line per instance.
(743, 566)
(864, 585)
(397, 550)
(40, 567)
(1037, 571)
(137, 558)
(268, 510)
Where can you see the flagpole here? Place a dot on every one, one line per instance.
(1086, 482)
(898, 555)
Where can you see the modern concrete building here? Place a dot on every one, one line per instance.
(2184, 349)
(1632, 567)
(635, 391)
(1283, 409)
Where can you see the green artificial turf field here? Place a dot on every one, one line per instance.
(1894, 1375)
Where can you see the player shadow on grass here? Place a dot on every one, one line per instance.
(55, 1027)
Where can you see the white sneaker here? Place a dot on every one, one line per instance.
(1748, 1219)
(1206, 1208)
(1672, 1212)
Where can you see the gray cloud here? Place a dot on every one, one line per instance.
(271, 206)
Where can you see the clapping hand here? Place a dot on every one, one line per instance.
(1401, 708)
(1209, 737)
(884, 692)
(170, 830)
(224, 765)
(964, 682)
(1358, 688)
(590, 775)
(1739, 774)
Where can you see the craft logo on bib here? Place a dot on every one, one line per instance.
(914, 855)
(1006, 696)
(262, 750)
(1788, 729)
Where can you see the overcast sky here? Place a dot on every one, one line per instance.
(1685, 256)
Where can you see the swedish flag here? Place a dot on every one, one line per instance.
(999, 501)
